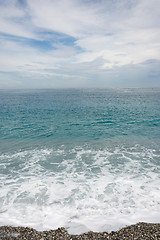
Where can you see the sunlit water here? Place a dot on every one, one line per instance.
(81, 159)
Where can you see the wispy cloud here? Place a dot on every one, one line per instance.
(79, 43)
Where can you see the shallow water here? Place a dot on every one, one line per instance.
(82, 159)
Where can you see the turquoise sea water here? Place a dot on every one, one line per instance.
(82, 159)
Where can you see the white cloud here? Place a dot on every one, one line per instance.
(68, 17)
(105, 35)
(122, 49)
(14, 20)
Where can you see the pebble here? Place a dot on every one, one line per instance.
(139, 231)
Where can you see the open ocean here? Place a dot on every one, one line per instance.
(79, 159)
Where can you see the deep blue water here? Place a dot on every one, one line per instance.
(79, 158)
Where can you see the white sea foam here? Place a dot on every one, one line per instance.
(80, 188)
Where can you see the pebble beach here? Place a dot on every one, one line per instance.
(141, 231)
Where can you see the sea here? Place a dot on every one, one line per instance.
(83, 159)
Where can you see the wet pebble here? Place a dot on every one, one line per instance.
(139, 231)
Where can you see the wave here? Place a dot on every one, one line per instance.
(81, 188)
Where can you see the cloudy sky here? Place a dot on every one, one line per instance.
(79, 43)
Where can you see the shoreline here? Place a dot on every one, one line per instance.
(137, 231)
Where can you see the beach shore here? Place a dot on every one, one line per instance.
(141, 231)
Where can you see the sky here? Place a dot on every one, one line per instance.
(79, 43)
